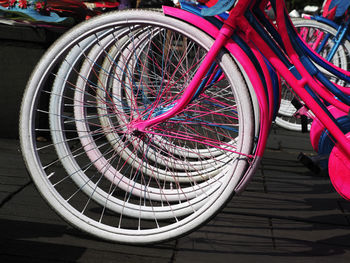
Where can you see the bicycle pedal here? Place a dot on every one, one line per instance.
(312, 163)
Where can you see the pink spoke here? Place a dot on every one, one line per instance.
(198, 139)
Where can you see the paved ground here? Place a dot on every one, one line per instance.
(287, 214)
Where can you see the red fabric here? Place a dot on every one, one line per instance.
(77, 8)
(68, 8)
(208, 3)
(106, 4)
(22, 4)
(327, 12)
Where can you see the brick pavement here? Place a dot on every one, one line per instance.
(286, 214)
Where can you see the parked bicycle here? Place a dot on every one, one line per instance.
(328, 35)
(154, 120)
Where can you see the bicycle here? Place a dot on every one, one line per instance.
(327, 34)
(154, 120)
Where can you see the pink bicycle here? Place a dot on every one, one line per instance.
(138, 126)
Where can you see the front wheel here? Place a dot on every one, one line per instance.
(125, 186)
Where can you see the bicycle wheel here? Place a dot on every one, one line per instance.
(88, 187)
(320, 37)
(189, 170)
(128, 187)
